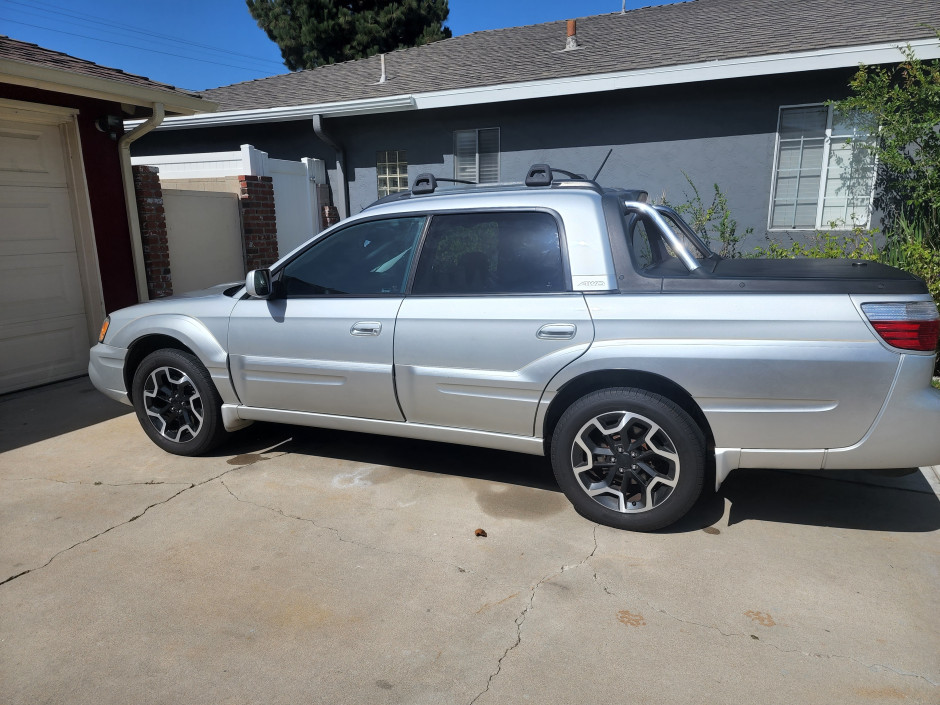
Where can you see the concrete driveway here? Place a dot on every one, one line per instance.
(305, 566)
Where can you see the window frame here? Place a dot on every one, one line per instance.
(823, 177)
(499, 151)
(398, 162)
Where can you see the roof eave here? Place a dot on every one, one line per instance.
(742, 67)
(63, 81)
(347, 108)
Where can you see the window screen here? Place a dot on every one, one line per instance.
(490, 253)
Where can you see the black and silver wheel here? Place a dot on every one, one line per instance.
(177, 403)
(629, 459)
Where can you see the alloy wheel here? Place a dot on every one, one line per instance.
(625, 462)
(173, 404)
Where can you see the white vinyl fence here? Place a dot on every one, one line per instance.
(295, 184)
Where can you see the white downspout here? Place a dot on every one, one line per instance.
(130, 196)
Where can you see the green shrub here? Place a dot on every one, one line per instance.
(857, 243)
(711, 222)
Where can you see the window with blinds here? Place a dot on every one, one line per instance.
(476, 155)
(824, 175)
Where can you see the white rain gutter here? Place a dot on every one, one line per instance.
(344, 108)
(748, 66)
(130, 196)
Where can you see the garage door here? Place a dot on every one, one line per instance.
(43, 325)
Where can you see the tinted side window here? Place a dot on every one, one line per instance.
(366, 258)
(490, 253)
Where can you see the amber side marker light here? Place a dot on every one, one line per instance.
(104, 329)
(913, 325)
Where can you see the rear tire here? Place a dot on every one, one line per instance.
(177, 403)
(629, 459)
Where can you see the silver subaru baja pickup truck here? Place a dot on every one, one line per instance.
(558, 318)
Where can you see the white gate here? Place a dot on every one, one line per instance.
(296, 202)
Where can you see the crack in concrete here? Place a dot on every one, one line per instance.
(188, 487)
(522, 616)
(339, 536)
(85, 482)
(808, 654)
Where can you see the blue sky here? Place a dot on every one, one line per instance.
(200, 44)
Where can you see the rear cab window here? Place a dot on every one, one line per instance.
(491, 253)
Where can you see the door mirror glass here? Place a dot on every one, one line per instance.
(258, 283)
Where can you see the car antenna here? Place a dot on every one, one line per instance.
(601, 167)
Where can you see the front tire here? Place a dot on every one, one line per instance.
(629, 459)
(177, 403)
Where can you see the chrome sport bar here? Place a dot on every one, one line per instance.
(674, 242)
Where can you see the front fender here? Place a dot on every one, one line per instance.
(189, 331)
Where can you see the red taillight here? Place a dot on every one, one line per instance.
(914, 325)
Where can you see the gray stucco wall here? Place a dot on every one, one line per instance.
(720, 132)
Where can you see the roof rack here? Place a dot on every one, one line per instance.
(544, 175)
(427, 183)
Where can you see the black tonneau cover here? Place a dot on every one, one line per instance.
(804, 276)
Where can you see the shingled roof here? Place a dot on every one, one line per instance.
(646, 38)
(26, 53)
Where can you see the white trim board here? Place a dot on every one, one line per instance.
(73, 83)
(771, 64)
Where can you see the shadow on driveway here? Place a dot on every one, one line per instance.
(37, 414)
(851, 500)
(859, 501)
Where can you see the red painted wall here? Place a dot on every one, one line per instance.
(105, 190)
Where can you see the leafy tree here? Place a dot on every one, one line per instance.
(311, 33)
(901, 105)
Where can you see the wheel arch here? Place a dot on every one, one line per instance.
(141, 348)
(592, 381)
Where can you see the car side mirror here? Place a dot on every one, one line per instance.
(258, 283)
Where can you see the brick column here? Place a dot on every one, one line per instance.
(259, 226)
(153, 231)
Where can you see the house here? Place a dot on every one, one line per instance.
(70, 246)
(722, 91)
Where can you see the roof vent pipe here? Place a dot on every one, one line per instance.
(382, 78)
(571, 42)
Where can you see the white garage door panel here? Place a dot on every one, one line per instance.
(34, 220)
(42, 351)
(31, 154)
(40, 286)
(43, 324)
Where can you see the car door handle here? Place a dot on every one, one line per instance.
(557, 331)
(366, 328)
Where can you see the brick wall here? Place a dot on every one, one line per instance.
(153, 231)
(258, 221)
